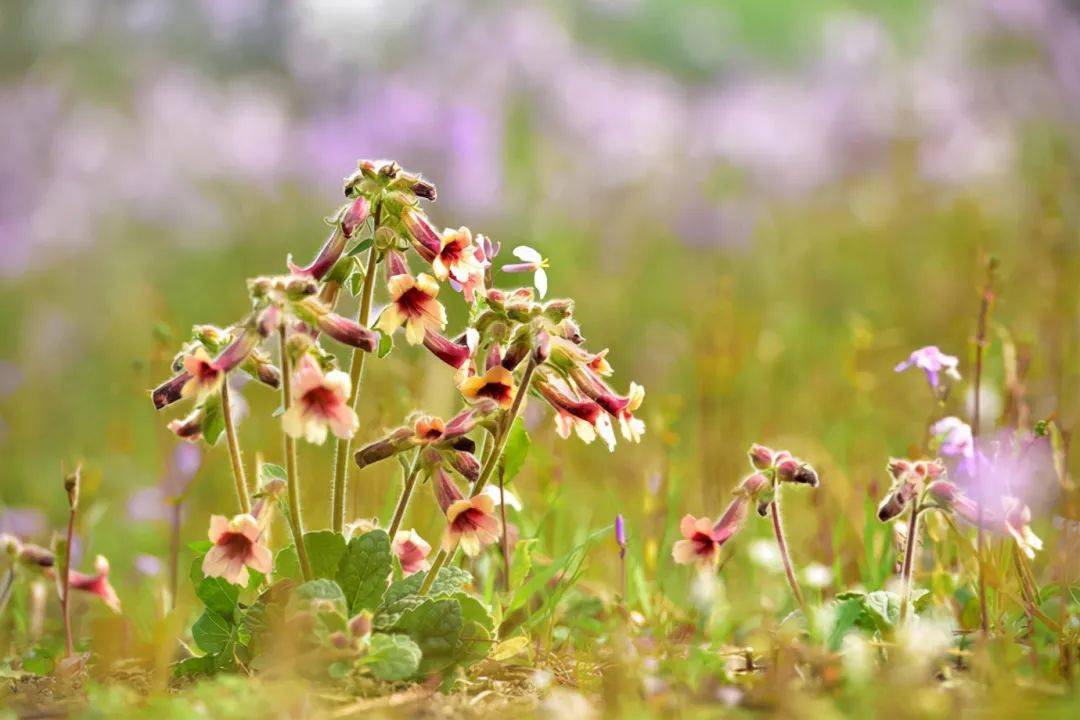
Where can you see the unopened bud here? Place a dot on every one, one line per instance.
(424, 189)
(558, 309)
(761, 457)
(786, 469)
(360, 625)
(542, 349)
(339, 640)
(71, 486)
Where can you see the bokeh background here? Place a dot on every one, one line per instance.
(760, 207)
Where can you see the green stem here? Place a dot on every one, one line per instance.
(65, 596)
(493, 459)
(781, 543)
(406, 493)
(234, 450)
(356, 376)
(295, 521)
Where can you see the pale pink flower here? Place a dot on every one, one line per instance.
(205, 376)
(700, 544)
(469, 522)
(412, 550)
(319, 402)
(237, 547)
(933, 362)
(457, 256)
(413, 303)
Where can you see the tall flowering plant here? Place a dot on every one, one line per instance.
(337, 586)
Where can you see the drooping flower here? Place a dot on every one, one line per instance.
(496, 384)
(319, 402)
(351, 219)
(909, 479)
(237, 546)
(1012, 518)
(97, 584)
(412, 550)
(457, 256)
(425, 238)
(531, 261)
(933, 362)
(700, 544)
(348, 332)
(632, 428)
(573, 413)
(412, 302)
(469, 522)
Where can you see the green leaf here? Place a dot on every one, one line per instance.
(325, 549)
(270, 471)
(517, 449)
(213, 422)
(435, 625)
(522, 561)
(194, 666)
(360, 247)
(386, 344)
(449, 581)
(218, 595)
(325, 590)
(364, 570)
(211, 632)
(476, 631)
(845, 620)
(393, 657)
(883, 608)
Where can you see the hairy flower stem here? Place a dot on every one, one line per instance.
(406, 493)
(493, 459)
(234, 450)
(65, 583)
(295, 521)
(781, 542)
(907, 571)
(980, 342)
(356, 376)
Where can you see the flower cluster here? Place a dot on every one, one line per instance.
(702, 539)
(514, 344)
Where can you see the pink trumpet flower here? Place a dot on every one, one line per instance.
(97, 584)
(457, 256)
(470, 522)
(1013, 518)
(413, 303)
(320, 402)
(412, 550)
(237, 547)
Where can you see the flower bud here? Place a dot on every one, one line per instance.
(339, 640)
(752, 485)
(786, 469)
(355, 216)
(268, 374)
(620, 533)
(71, 486)
(542, 351)
(169, 391)
(570, 330)
(806, 475)
(396, 264)
(424, 189)
(898, 468)
(465, 463)
(360, 625)
(348, 332)
(397, 441)
(385, 238)
(425, 238)
(761, 457)
(943, 492)
(453, 354)
(325, 260)
(520, 347)
(446, 490)
(268, 321)
(558, 309)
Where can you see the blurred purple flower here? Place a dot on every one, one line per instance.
(149, 565)
(933, 362)
(955, 440)
(23, 523)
